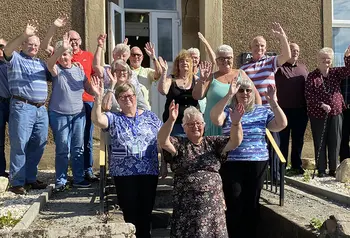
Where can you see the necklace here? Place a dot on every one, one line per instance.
(326, 89)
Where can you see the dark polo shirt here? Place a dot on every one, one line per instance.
(290, 84)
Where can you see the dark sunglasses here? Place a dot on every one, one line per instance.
(247, 90)
(2, 46)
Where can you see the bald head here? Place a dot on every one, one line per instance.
(258, 47)
(294, 49)
(75, 40)
(136, 57)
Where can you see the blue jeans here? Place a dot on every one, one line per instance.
(4, 117)
(88, 140)
(28, 129)
(68, 133)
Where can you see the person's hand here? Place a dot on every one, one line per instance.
(150, 51)
(326, 107)
(101, 39)
(163, 65)
(78, 64)
(277, 30)
(271, 95)
(32, 28)
(202, 38)
(233, 87)
(237, 114)
(97, 86)
(61, 20)
(113, 78)
(66, 41)
(173, 111)
(347, 52)
(205, 68)
(107, 101)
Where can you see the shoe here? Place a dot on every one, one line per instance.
(36, 185)
(82, 184)
(331, 173)
(60, 188)
(321, 174)
(4, 174)
(18, 190)
(91, 177)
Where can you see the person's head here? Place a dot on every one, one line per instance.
(245, 94)
(136, 57)
(294, 49)
(2, 46)
(224, 58)
(258, 47)
(75, 40)
(126, 97)
(193, 123)
(66, 58)
(31, 46)
(325, 58)
(121, 51)
(196, 56)
(121, 70)
(183, 63)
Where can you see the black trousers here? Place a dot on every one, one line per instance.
(331, 140)
(242, 183)
(344, 144)
(297, 122)
(136, 195)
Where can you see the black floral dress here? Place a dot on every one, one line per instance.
(198, 200)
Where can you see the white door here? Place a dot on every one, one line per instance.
(116, 27)
(164, 33)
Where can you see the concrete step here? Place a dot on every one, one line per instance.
(161, 233)
(169, 180)
(164, 196)
(161, 218)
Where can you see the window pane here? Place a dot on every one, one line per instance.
(341, 9)
(151, 4)
(118, 27)
(165, 41)
(341, 36)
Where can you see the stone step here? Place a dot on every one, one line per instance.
(164, 196)
(169, 180)
(161, 218)
(161, 233)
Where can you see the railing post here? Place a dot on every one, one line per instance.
(282, 170)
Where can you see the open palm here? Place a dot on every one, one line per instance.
(173, 111)
(237, 114)
(234, 87)
(163, 64)
(32, 28)
(205, 68)
(97, 86)
(61, 20)
(270, 94)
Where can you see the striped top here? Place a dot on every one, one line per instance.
(253, 146)
(28, 77)
(262, 73)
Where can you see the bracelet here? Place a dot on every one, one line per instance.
(111, 90)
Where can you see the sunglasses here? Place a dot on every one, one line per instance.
(2, 46)
(247, 90)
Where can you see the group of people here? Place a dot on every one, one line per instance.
(213, 130)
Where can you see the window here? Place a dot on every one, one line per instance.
(341, 29)
(151, 4)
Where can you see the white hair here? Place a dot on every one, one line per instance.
(121, 48)
(194, 51)
(224, 49)
(59, 44)
(328, 51)
(190, 113)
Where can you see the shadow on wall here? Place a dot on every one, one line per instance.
(78, 19)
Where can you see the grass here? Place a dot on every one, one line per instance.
(316, 223)
(8, 220)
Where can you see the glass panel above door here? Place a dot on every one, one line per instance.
(151, 4)
(165, 38)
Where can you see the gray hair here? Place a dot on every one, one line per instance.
(191, 112)
(245, 83)
(328, 51)
(124, 88)
(121, 48)
(194, 51)
(59, 44)
(224, 49)
(123, 64)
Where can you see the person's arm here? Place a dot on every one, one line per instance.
(236, 132)
(98, 118)
(150, 51)
(164, 82)
(31, 30)
(108, 97)
(256, 92)
(217, 114)
(164, 132)
(51, 62)
(280, 121)
(96, 64)
(202, 85)
(141, 102)
(46, 43)
(285, 55)
(208, 48)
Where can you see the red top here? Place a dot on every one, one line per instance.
(319, 89)
(85, 58)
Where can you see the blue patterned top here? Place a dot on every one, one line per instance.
(133, 144)
(253, 146)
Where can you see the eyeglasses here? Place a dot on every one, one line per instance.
(247, 90)
(136, 55)
(72, 39)
(2, 46)
(223, 59)
(123, 98)
(193, 124)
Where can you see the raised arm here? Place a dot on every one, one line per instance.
(98, 118)
(208, 48)
(217, 114)
(164, 82)
(165, 130)
(31, 30)
(46, 43)
(236, 132)
(149, 48)
(96, 64)
(51, 62)
(285, 55)
(202, 85)
(280, 120)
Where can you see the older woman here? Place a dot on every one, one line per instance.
(178, 87)
(198, 199)
(67, 114)
(133, 160)
(243, 173)
(324, 106)
(217, 85)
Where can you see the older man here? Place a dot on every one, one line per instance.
(28, 120)
(290, 83)
(4, 107)
(146, 76)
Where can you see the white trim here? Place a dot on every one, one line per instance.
(111, 27)
(338, 23)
